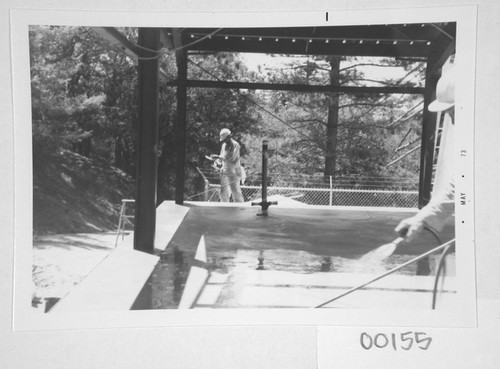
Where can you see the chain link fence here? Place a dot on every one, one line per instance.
(315, 190)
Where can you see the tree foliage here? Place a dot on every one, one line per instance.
(84, 98)
(83, 95)
(368, 132)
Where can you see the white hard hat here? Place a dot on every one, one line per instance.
(445, 89)
(224, 133)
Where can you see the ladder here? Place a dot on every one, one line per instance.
(437, 143)
(124, 219)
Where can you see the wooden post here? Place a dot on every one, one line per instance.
(145, 204)
(180, 127)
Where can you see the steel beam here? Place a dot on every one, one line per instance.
(147, 171)
(180, 126)
(301, 88)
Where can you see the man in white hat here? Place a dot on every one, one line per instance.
(231, 171)
(441, 207)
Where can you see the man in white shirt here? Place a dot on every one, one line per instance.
(441, 207)
(231, 171)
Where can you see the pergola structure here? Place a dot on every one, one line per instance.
(432, 43)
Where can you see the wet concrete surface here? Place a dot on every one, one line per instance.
(292, 240)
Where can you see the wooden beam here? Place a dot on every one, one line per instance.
(301, 88)
(180, 126)
(147, 143)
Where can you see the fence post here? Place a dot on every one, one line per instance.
(331, 191)
(207, 188)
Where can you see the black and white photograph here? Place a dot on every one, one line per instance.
(309, 170)
(256, 167)
(307, 167)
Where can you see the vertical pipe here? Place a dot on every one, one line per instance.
(264, 203)
(146, 180)
(264, 174)
(180, 126)
(207, 188)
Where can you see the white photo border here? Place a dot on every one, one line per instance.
(25, 320)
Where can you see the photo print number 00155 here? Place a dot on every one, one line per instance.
(405, 341)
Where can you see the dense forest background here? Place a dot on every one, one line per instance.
(85, 116)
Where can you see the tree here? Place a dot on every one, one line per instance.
(341, 134)
(208, 111)
(332, 123)
(83, 94)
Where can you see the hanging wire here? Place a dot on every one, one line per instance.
(161, 51)
(402, 140)
(383, 99)
(404, 117)
(196, 41)
(285, 162)
(403, 156)
(252, 101)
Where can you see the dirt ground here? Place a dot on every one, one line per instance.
(60, 262)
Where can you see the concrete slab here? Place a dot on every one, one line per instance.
(293, 245)
(346, 280)
(273, 297)
(169, 217)
(113, 285)
(210, 295)
(198, 276)
(271, 289)
(325, 231)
